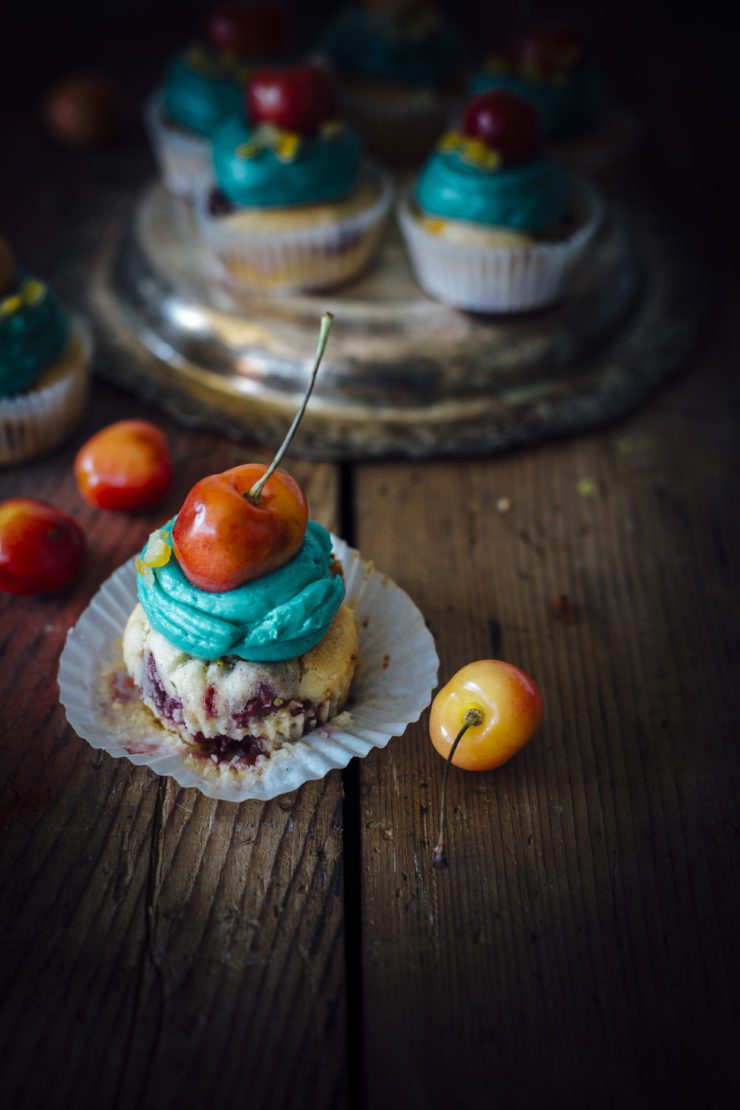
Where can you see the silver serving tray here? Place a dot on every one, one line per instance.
(403, 375)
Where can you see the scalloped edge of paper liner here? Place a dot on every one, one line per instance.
(392, 687)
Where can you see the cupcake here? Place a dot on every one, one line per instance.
(246, 670)
(241, 641)
(203, 87)
(550, 67)
(397, 67)
(294, 206)
(492, 223)
(44, 357)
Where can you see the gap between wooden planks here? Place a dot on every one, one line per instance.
(579, 949)
(158, 948)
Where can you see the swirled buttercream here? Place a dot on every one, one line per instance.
(279, 616)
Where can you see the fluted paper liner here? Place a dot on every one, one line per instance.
(391, 688)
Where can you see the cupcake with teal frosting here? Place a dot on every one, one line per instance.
(203, 87)
(551, 68)
(493, 223)
(397, 66)
(294, 205)
(44, 358)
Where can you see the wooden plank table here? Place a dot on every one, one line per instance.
(160, 949)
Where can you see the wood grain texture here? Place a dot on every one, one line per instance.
(158, 948)
(580, 950)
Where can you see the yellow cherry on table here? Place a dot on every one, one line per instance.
(510, 705)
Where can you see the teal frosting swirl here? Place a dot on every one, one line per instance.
(201, 91)
(530, 197)
(252, 174)
(34, 332)
(279, 616)
(567, 109)
(378, 46)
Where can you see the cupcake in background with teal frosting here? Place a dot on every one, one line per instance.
(550, 67)
(203, 87)
(294, 206)
(397, 66)
(44, 359)
(493, 223)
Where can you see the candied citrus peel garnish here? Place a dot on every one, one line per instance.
(157, 553)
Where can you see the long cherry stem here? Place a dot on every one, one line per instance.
(255, 493)
(472, 717)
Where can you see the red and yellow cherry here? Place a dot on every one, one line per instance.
(224, 537)
(125, 466)
(41, 548)
(295, 98)
(483, 716)
(506, 123)
(256, 32)
(247, 521)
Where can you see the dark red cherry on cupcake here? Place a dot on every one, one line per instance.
(292, 98)
(506, 123)
(256, 32)
(244, 523)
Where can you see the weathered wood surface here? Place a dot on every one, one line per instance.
(158, 948)
(581, 949)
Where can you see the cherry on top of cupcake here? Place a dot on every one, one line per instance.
(505, 124)
(243, 523)
(291, 98)
(246, 31)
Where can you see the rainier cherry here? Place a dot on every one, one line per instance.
(125, 466)
(41, 548)
(480, 719)
(506, 123)
(295, 98)
(248, 521)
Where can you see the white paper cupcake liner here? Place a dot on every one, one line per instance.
(499, 279)
(391, 688)
(310, 258)
(46, 414)
(183, 158)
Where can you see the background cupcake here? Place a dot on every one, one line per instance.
(43, 365)
(203, 87)
(493, 224)
(294, 206)
(397, 66)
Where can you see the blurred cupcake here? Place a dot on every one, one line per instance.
(550, 67)
(203, 87)
(44, 358)
(294, 206)
(492, 223)
(397, 67)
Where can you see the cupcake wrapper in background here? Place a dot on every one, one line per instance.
(183, 158)
(391, 688)
(499, 279)
(401, 129)
(46, 414)
(310, 258)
